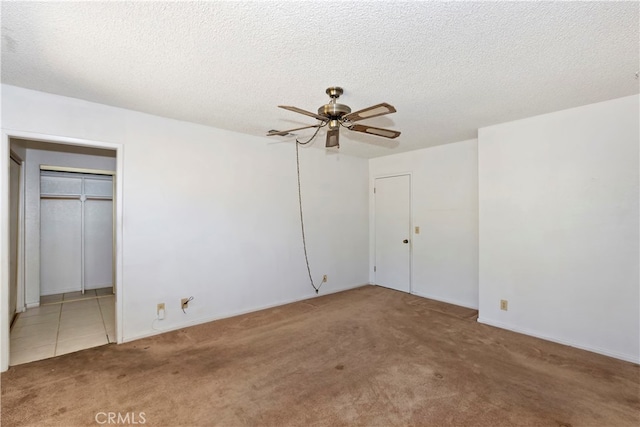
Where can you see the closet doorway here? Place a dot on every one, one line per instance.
(76, 230)
(72, 256)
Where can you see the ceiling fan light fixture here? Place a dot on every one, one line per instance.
(333, 138)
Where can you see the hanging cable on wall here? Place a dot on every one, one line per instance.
(304, 240)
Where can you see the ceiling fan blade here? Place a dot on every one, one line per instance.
(273, 132)
(373, 111)
(333, 138)
(387, 133)
(301, 111)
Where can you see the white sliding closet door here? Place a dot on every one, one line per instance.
(60, 250)
(60, 234)
(98, 249)
(76, 232)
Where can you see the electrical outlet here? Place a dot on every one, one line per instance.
(504, 304)
(184, 303)
(324, 278)
(160, 310)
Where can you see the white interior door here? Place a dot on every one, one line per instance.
(393, 232)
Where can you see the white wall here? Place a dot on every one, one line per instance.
(558, 197)
(35, 158)
(444, 204)
(213, 214)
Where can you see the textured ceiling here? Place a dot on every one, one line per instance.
(448, 68)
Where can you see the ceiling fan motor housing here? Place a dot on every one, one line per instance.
(334, 111)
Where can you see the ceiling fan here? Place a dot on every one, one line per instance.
(335, 115)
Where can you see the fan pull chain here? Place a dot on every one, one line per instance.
(304, 240)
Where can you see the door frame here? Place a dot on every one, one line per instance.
(5, 144)
(373, 224)
(20, 304)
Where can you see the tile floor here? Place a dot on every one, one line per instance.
(63, 324)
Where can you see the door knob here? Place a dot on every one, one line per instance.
(405, 241)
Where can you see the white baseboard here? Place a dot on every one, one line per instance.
(447, 300)
(208, 319)
(32, 305)
(616, 355)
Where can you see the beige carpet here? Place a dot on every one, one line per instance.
(369, 356)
